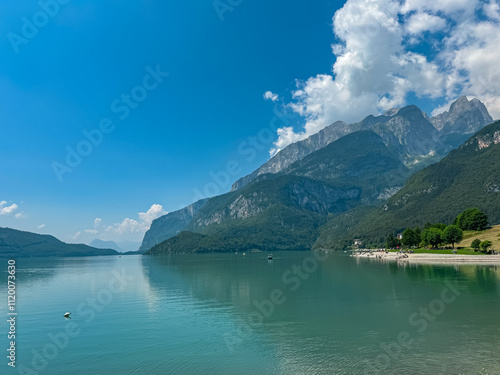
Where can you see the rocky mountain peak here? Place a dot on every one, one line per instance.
(464, 116)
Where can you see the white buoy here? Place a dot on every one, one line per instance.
(67, 315)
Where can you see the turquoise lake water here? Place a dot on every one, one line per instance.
(243, 314)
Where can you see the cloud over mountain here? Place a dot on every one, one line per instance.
(127, 228)
(387, 50)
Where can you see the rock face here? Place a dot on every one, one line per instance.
(410, 134)
(464, 117)
(169, 225)
(419, 140)
(297, 151)
(354, 170)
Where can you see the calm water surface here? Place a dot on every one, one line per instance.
(212, 314)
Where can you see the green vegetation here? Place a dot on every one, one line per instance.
(433, 237)
(472, 219)
(392, 242)
(467, 177)
(485, 245)
(453, 234)
(276, 228)
(411, 237)
(476, 244)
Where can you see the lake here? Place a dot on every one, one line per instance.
(301, 313)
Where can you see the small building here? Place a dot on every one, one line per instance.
(358, 242)
(400, 236)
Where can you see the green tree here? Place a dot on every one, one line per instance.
(439, 226)
(392, 242)
(476, 244)
(409, 238)
(427, 226)
(485, 245)
(389, 243)
(472, 219)
(432, 236)
(418, 236)
(453, 234)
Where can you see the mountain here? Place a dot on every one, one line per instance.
(169, 225)
(420, 140)
(337, 170)
(464, 117)
(120, 246)
(297, 151)
(100, 244)
(284, 210)
(468, 177)
(19, 244)
(129, 245)
(462, 120)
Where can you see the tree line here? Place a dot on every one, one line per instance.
(438, 234)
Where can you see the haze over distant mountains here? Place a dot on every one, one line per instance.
(283, 203)
(121, 246)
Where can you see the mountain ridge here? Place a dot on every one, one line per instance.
(18, 244)
(407, 132)
(468, 176)
(338, 129)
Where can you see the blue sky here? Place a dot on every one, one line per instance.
(85, 55)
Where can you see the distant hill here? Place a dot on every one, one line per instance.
(128, 245)
(19, 244)
(120, 246)
(100, 244)
(468, 177)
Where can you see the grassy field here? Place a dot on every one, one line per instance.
(492, 235)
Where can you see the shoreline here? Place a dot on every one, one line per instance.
(431, 258)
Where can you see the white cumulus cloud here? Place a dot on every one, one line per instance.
(269, 95)
(7, 210)
(382, 56)
(127, 226)
(420, 22)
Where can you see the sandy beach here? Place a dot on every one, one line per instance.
(431, 258)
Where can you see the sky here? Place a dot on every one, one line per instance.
(115, 113)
